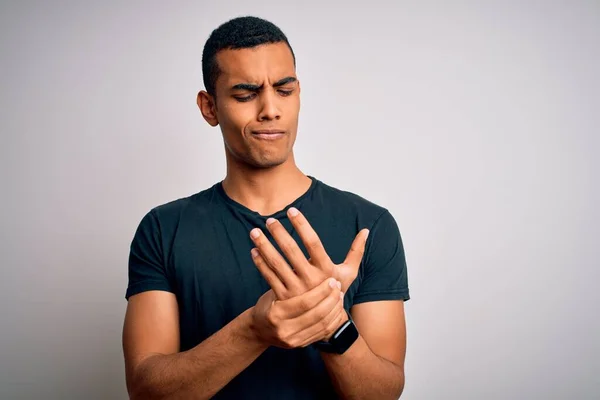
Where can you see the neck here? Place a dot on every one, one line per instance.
(266, 190)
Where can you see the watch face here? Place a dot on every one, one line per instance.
(341, 330)
(345, 337)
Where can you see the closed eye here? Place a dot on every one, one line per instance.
(282, 92)
(245, 98)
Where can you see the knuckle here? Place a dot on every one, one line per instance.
(296, 289)
(286, 294)
(258, 260)
(272, 316)
(324, 324)
(331, 318)
(336, 314)
(287, 342)
(329, 331)
(313, 242)
(331, 328)
(304, 304)
(292, 343)
(335, 294)
(269, 259)
(312, 283)
(323, 313)
(286, 246)
(280, 333)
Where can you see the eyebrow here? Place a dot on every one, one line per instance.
(255, 88)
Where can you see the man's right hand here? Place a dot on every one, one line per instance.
(300, 320)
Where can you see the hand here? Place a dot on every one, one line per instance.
(301, 320)
(307, 274)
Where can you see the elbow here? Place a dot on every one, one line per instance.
(139, 384)
(136, 395)
(143, 391)
(136, 389)
(400, 385)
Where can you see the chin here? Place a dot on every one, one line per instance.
(264, 162)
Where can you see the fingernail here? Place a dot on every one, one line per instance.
(339, 285)
(293, 211)
(332, 282)
(367, 234)
(342, 295)
(254, 253)
(270, 221)
(255, 233)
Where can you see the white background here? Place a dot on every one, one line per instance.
(475, 123)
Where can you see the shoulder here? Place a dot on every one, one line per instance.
(166, 216)
(174, 208)
(350, 202)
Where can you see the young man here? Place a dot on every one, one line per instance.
(242, 290)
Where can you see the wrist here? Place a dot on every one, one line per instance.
(341, 340)
(249, 330)
(342, 322)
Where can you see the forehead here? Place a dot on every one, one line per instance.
(267, 62)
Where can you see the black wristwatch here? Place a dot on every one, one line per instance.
(342, 339)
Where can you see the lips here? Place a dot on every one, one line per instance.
(268, 134)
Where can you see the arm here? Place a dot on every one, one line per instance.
(154, 367)
(373, 367)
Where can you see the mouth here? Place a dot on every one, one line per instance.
(268, 134)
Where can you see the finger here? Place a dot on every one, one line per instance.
(288, 246)
(298, 305)
(321, 329)
(315, 315)
(357, 249)
(269, 275)
(309, 237)
(339, 317)
(274, 260)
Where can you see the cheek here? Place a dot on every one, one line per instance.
(293, 107)
(235, 119)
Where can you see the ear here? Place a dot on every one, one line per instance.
(208, 107)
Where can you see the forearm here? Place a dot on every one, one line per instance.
(361, 374)
(202, 371)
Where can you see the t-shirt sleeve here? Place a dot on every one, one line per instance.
(147, 269)
(384, 275)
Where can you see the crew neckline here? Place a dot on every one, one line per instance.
(296, 203)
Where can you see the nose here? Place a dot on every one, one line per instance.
(269, 106)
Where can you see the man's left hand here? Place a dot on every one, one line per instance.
(306, 274)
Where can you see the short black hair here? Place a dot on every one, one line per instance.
(238, 33)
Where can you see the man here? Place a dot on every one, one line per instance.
(241, 290)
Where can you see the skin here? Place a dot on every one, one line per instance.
(301, 307)
(373, 367)
(261, 174)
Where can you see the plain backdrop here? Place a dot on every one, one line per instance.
(475, 123)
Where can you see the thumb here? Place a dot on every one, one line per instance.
(357, 249)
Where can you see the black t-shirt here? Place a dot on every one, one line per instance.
(198, 248)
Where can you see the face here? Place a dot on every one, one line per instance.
(257, 104)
